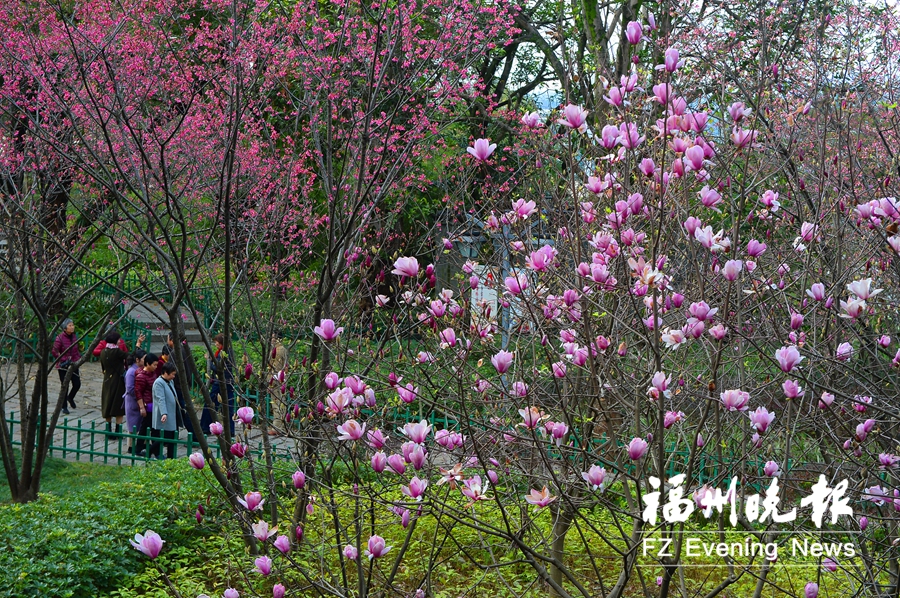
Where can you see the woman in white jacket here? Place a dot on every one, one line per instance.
(165, 404)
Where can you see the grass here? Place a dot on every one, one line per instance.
(65, 477)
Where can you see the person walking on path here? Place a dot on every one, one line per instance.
(217, 360)
(143, 393)
(133, 417)
(277, 367)
(165, 406)
(112, 361)
(65, 350)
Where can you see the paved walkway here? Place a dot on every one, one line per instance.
(81, 432)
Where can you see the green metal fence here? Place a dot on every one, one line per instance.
(97, 445)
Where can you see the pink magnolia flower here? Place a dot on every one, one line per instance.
(532, 120)
(197, 460)
(792, 390)
(376, 439)
(216, 429)
(863, 523)
(796, 321)
(351, 430)
(149, 543)
(502, 361)
(416, 489)
(735, 400)
(647, 167)
(816, 291)
(379, 462)
(633, 32)
(531, 417)
(382, 300)
(853, 308)
(376, 548)
(263, 565)
(771, 469)
(524, 209)
(408, 393)
(671, 418)
(559, 369)
(238, 450)
(252, 501)
(884, 341)
(738, 112)
(761, 419)
(245, 414)
(830, 564)
(482, 149)
(230, 593)
(350, 552)
(629, 137)
(574, 117)
(473, 489)
(844, 352)
(299, 479)
(416, 432)
(278, 591)
(595, 476)
(637, 448)
(332, 380)
(539, 498)
(262, 532)
(731, 269)
(887, 460)
(742, 137)
(671, 63)
(702, 311)
(406, 266)
(788, 358)
(863, 289)
(718, 331)
(755, 248)
(516, 284)
(283, 544)
(811, 590)
(826, 400)
(708, 197)
(327, 331)
(673, 338)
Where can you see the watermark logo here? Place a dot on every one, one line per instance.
(822, 498)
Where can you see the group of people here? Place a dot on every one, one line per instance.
(147, 391)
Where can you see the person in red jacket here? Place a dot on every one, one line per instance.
(143, 392)
(65, 350)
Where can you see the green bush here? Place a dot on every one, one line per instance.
(77, 545)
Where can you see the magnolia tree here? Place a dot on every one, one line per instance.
(682, 326)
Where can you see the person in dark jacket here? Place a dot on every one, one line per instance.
(168, 356)
(143, 393)
(165, 406)
(112, 361)
(65, 350)
(219, 359)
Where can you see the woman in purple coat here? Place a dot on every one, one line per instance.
(65, 350)
(133, 417)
